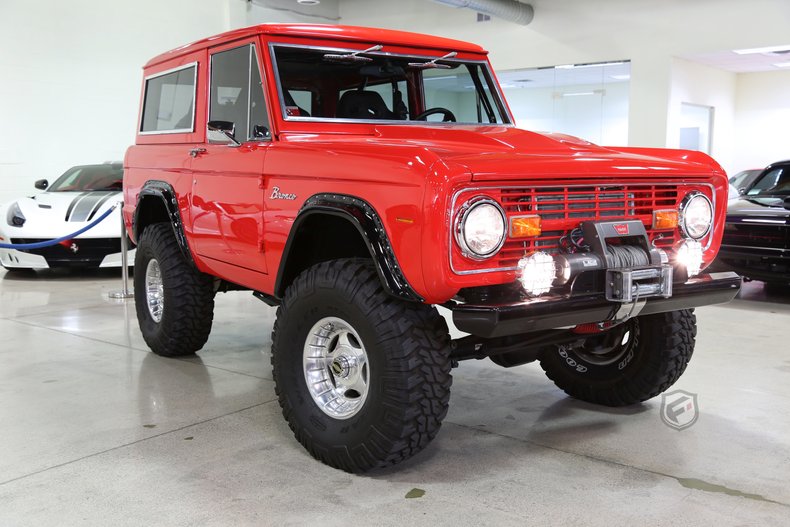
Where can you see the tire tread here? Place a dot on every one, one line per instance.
(185, 328)
(418, 368)
(672, 336)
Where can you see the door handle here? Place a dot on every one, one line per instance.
(197, 151)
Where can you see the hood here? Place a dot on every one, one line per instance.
(53, 214)
(764, 206)
(499, 152)
(77, 207)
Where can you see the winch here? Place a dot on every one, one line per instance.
(635, 269)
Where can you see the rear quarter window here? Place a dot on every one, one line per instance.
(169, 103)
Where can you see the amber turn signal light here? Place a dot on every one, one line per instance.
(665, 219)
(524, 226)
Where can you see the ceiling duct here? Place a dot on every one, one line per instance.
(511, 10)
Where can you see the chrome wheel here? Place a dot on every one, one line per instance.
(154, 290)
(336, 368)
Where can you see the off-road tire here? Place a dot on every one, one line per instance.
(188, 307)
(407, 347)
(662, 349)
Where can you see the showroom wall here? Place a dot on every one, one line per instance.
(72, 71)
(262, 11)
(762, 119)
(71, 78)
(706, 86)
(599, 114)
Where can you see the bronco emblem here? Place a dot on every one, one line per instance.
(276, 194)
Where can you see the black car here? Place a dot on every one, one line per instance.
(756, 241)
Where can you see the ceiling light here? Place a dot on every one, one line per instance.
(782, 64)
(589, 65)
(579, 93)
(308, 2)
(769, 49)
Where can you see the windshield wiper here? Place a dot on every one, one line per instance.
(433, 64)
(352, 57)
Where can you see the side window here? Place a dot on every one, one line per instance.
(169, 104)
(236, 94)
(259, 116)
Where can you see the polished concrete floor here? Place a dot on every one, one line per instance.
(96, 430)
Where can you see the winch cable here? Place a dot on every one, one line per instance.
(626, 256)
(41, 245)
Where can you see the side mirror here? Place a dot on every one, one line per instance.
(41, 184)
(221, 132)
(261, 132)
(742, 191)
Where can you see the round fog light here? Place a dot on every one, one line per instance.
(690, 256)
(536, 273)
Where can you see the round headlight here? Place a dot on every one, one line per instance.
(15, 218)
(696, 216)
(480, 228)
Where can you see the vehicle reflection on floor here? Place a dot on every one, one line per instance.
(756, 291)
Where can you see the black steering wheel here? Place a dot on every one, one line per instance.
(449, 117)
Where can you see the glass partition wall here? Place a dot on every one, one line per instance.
(585, 100)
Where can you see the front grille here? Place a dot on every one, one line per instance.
(563, 208)
(89, 251)
(750, 235)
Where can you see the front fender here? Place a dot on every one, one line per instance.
(370, 227)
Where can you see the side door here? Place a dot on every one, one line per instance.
(228, 183)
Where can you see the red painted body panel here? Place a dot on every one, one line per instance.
(408, 173)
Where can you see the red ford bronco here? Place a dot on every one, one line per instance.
(357, 178)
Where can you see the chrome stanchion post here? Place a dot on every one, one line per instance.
(124, 292)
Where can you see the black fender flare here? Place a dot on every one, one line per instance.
(165, 192)
(369, 225)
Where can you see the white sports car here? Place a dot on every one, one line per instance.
(78, 197)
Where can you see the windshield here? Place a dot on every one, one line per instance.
(742, 179)
(774, 182)
(320, 84)
(90, 177)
